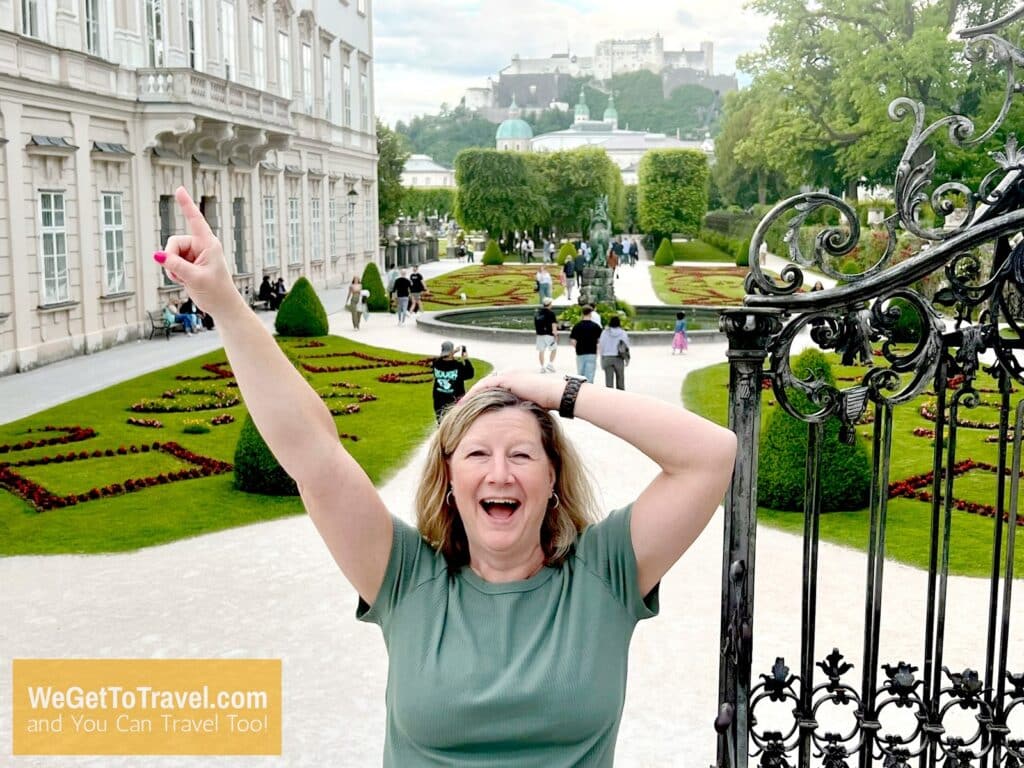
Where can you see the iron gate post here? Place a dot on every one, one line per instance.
(749, 332)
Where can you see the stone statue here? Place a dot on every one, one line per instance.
(600, 232)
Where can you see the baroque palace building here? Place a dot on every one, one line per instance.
(262, 109)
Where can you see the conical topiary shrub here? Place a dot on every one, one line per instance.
(256, 469)
(301, 313)
(845, 469)
(378, 301)
(665, 256)
(493, 256)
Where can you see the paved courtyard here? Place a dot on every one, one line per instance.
(272, 591)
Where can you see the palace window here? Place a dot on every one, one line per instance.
(325, 66)
(259, 56)
(113, 242)
(92, 26)
(307, 78)
(155, 32)
(227, 38)
(314, 215)
(346, 95)
(294, 241)
(54, 248)
(284, 66)
(269, 232)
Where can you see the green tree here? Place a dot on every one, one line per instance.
(495, 192)
(440, 199)
(748, 169)
(672, 194)
(444, 135)
(830, 69)
(301, 313)
(572, 182)
(256, 468)
(391, 157)
(371, 280)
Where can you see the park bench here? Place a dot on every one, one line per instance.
(159, 325)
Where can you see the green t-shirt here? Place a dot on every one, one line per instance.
(525, 673)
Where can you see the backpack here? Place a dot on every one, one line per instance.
(623, 350)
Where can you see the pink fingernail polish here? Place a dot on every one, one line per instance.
(159, 257)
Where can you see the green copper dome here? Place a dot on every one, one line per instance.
(514, 128)
(582, 110)
(610, 114)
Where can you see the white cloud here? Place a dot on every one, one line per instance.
(429, 53)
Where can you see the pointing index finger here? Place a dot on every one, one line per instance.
(196, 221)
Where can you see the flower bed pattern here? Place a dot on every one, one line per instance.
(505, 286)
(914, 488)
(42, 500)
(71, 435)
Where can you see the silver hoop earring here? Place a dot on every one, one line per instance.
(557, 500)
(450, 500)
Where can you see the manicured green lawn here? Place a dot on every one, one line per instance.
(711, 285)
(698, 250)
(909, 519)
(508, 285)
(393, 417)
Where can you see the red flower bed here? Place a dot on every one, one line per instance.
(913, 488)
(71, 435)
(42, 499)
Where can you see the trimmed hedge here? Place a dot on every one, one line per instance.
(493, 256)
(739, 249)
(256, 469)
(845, 469)
(301, 313)
(672, 194)
(372, 282)
(567, 249)
(665, 256)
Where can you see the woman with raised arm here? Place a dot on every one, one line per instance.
(507, 611)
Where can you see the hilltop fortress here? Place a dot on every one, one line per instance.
(537, 84)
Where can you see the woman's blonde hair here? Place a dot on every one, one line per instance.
(438, 520)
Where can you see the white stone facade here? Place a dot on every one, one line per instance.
(421, 172)
(263, 110)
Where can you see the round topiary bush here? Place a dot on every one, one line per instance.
(256, 469)
(845, 469)
(492, 255)
(665, 256)
(567, 249)
(378, 301)
(301, 313)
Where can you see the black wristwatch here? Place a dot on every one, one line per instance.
(567, 408)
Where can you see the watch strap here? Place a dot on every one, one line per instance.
(567, 408)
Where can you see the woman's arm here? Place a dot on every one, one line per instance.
(291, 417)
(695, 455)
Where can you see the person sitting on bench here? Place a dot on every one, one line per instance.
(267, 293)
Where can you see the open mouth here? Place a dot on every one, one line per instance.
(500, 508)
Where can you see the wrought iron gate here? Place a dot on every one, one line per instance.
(981, 261)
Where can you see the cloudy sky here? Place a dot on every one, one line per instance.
(426, 53)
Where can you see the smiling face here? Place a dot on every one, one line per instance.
(502, 479)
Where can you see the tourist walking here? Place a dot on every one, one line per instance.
(543, 278)
(568, 276)
(416, 289)
(634, 252)
(583, 337)
(507, 572)
(450, 375)
(614, 348)
(613, 261)
(546, 326)
(402, 286)
(392, 276)
(352, 301)
(680, 342)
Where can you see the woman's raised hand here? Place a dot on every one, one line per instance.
(197, 261)
(543, 389)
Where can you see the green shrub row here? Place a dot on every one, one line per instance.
(737, 247)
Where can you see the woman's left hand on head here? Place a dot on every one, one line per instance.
(543, 389)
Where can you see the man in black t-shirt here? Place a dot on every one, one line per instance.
(416, 289)
(546, 325)
(402, 286)
(450, 377)
(583, 337)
